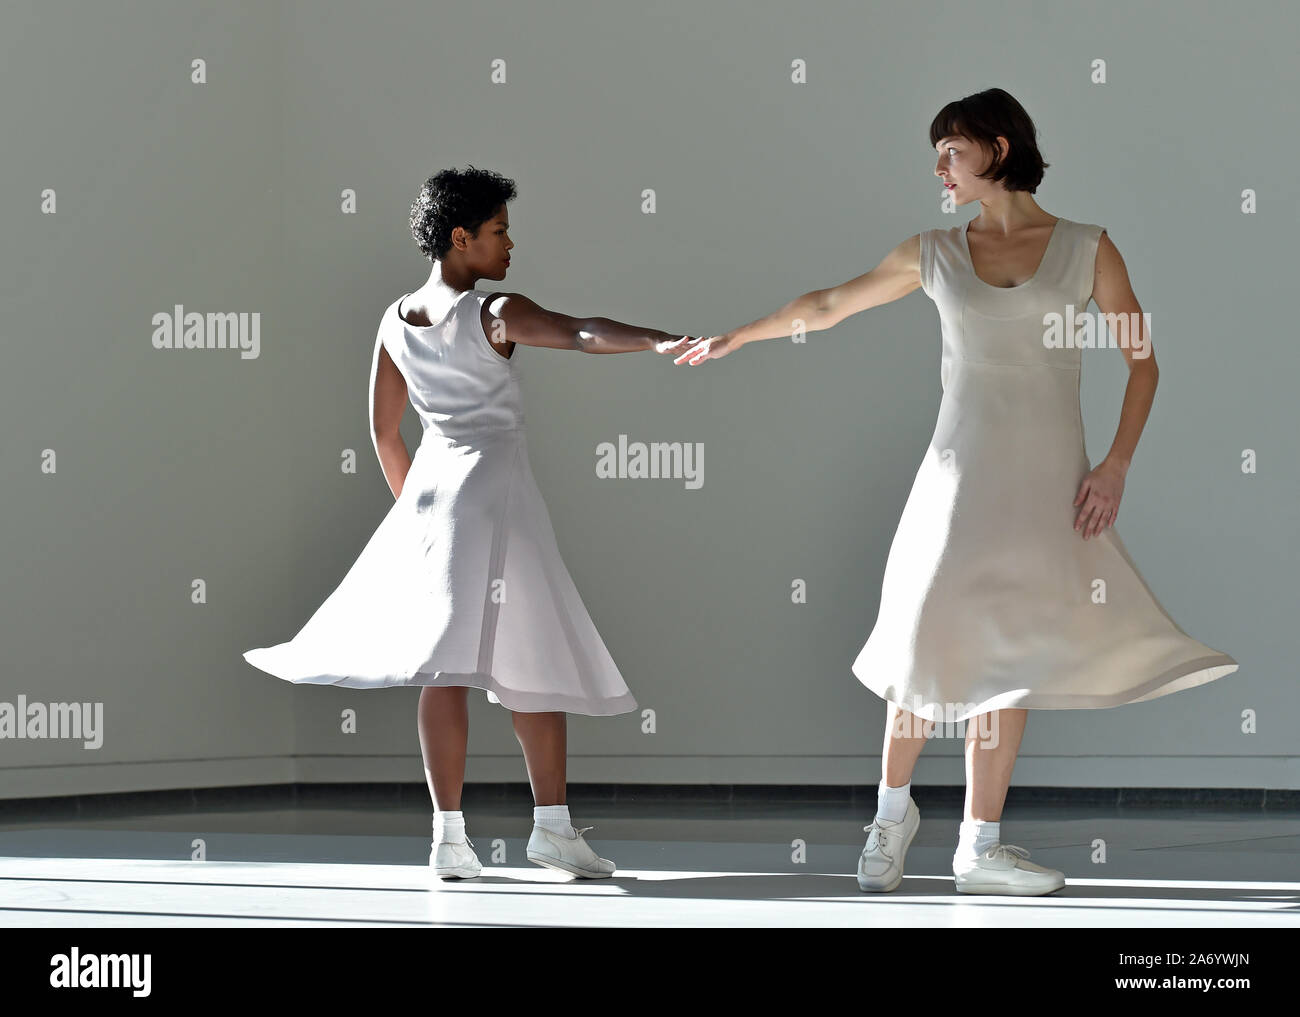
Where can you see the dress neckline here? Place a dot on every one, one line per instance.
(970, 262)
(397, 308)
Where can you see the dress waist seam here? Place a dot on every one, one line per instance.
(432, 433)
(1014, 363)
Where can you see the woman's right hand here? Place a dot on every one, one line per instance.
(697, 349)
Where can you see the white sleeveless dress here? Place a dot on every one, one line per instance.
(462, 583)
(990, 598)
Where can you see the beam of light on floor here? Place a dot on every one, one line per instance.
(126, 891)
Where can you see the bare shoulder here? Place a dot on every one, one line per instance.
(909, 252)
(1111, 287)
(512, 308)
(897, 275)
(1109, 270)
(1107, 253)
(903, 262)
(529, 323)
(498, 300)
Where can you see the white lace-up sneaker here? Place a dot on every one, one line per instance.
(880, 866)
(454, 859)
(1003, 869)
(568, 854)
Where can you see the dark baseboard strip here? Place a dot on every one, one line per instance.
(403, 795)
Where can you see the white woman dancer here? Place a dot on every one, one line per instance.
(1006, 588)
(462, 585)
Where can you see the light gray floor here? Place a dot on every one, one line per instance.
(681, 863)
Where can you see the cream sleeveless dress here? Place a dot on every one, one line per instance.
(990, 598)
(462, 583)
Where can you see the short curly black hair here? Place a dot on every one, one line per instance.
(982, 117)
(452, 198)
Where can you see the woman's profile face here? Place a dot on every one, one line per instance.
(488, 254)
(960, 160)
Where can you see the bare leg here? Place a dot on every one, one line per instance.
(904, 740)
(444, 735)
(991, 747)
(543, 737)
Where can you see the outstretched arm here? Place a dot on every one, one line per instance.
(896, 276)
(522, 321)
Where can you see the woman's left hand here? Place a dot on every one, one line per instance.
(697, 349)
(1099, 494)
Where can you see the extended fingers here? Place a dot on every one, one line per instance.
(695, 353)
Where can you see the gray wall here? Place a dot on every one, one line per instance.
(176, 465)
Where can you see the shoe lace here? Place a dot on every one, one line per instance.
(583, 829)
(878, 833)
(1010, 849)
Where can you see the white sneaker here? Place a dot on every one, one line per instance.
(454, 859)
(568, 854)
(880, 866)
(1002, 869)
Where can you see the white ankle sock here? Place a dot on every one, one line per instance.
(891, 802)
(974, 837)
(554, 818)
(449, 827)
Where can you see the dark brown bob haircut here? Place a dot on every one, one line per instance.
(984, 116)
